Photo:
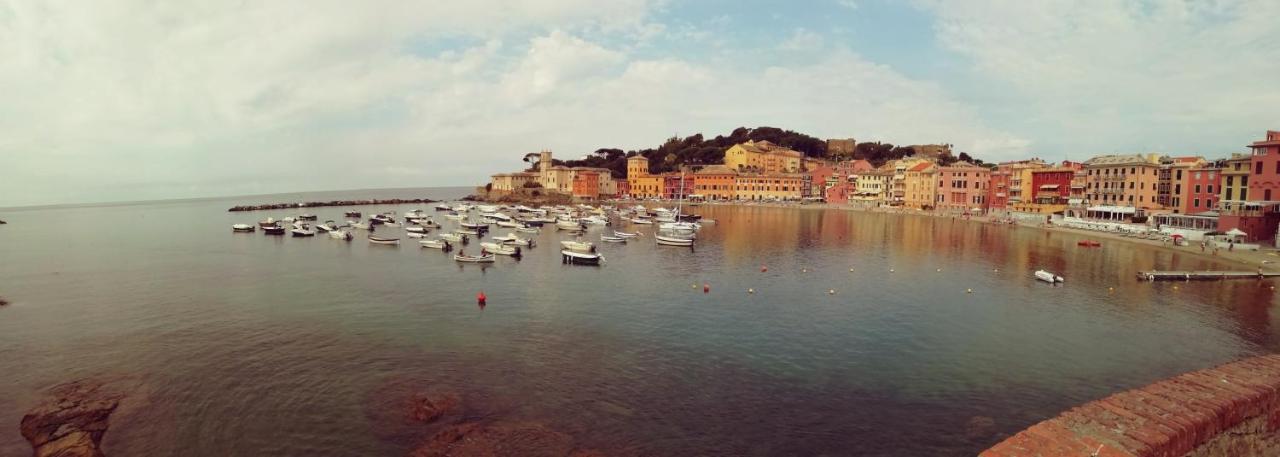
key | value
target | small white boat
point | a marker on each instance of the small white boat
(417, 229)
(437, 244)
(672, 240)
(242, 228)
(500, 249)
(455, 238)
(1048, 277)
(360, 225)
(392, 223)
(289, 219)
(303, 231)
(580, 258)
(455, 216)
(513, 240)
(528, 230)
(327, 226)
(467, 232)
(595, 220)
(474, 258)
(273, 230)
(442, 207)
(573, 226)
(463, 208)
(487, 208)
(612, 239)
(352, 213)
(642, 221)
(510, 224)
(415, 234)
(580, 246)
(307, 217)
(268, 222)
(625, 234)
(379, 240)
(341, 235)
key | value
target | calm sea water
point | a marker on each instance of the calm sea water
(256, 345)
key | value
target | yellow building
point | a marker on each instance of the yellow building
(778, 186)
(646, 186)
(921, 186)
(714, 182)
(1235, 182)
(872, 185)
(511, 181)
(762, 157)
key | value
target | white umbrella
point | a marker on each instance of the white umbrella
(1236, 232)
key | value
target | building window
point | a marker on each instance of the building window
(1197, 190)
(1197, 202)
(1257, 168)
(1266, 194)
(1210, 189)
(1229, 193)
(1229, 179)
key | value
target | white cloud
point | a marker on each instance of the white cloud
(802, 40)
(1112, 74)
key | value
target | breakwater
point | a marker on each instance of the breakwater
(273, 206)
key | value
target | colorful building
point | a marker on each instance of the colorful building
(1234, 177)
(511, 181)
(820, 178)
(757, 187)
(962, 187)
(586, 185)
(921, 186)
(676, 185)
(714, 182)
(872, 186)
(762, 157)
(1128, 181)
(1173, 173)
(1258, 215)
(1052, 185)
(1198, 192)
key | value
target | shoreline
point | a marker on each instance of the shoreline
(1250, 260)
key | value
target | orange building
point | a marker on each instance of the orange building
(714, 182)
(1130, 181)
(586, 185)
(962, 186)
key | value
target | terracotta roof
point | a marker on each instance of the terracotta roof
(716, 170)
(922, 166)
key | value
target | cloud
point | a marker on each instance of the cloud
(802, 40)
(1110, 74)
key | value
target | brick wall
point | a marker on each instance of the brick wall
(1229, 410)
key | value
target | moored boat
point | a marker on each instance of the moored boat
(671, 239)
(242, 228)
(580, 258)
(307, 217)
(268, 222)
(416, 229)
(460, 257)
(380, 240)
(500, 249)
(612, 239)
(437, 244)
(455, 237)
(528, 230)
(642, 221)
(580, 246)
(626, 234)
(1047, 277)
(351, 213)
(572, 226)
(341, 235)
(273, 230)
(327, 226)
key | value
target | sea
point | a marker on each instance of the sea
(783, 331)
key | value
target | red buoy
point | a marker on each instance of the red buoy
(763, 268)
(706, 288)
(480, 298)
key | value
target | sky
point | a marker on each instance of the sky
(121, 100)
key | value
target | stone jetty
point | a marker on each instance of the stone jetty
(273, 206)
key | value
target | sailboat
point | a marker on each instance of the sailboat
(677, 233)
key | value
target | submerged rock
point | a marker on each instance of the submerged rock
(980, 428)
(497, 439)
(3, 301)
(72, 420)
(426, 408)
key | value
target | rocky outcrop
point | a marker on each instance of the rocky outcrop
(427, 408)
(72, 420)
(3, 222)
(3, 301)
(274, 206)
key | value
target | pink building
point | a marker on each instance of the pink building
(1197, 192)
(1259, 216)
(962, 187)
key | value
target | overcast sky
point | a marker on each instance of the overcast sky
(124, 100)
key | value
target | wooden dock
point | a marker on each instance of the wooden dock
(1204, 275)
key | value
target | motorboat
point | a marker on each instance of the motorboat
(360, 225)
(467, 232)
(479, 228)
(341, 235)
(327, 226)
(307, 217)
(289, 219)
(510, 224)
(1048, 277)
(580, 246)
(380, 240)
(352, 213)
(273, 230)
(642, 221)
(427, 222)
(416, 229)
(625, 234)
(573, 226)
(443, 207)
(303, 230)
(463, 208)
(672, 239)
(487, 208)
(595, 220)
(500, 249)
(415, 234)
(488, 220)
(437, 244)
(580, 258)
(414, 214)
(528, 230)
(612, 239)
(455, 238)
(242, 228)
(268, 222)
(455, 216)
(489, 258)
(513, 240)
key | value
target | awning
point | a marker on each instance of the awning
(1236, 232)
(1048, 186)
(1113, 209)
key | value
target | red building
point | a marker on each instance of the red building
(586, 184)
(1198, 190)
(672, 183)
(850, 167)
(624, 187)
(840, 192)
(1052, 185)
(818, 181)
(963, 187)
(998, 191)
(1258, 216)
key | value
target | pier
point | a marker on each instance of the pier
(1203, 275)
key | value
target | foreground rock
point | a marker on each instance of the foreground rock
(3, 301)
(3, 222)
(72, 420)
(273, 206)
(500, 439)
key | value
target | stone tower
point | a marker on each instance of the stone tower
(637, 166)
(544, 162)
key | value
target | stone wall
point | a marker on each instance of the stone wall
(1229, 410)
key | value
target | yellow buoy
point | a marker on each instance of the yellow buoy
(751, 291)
(831, 292)
(968, 291)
